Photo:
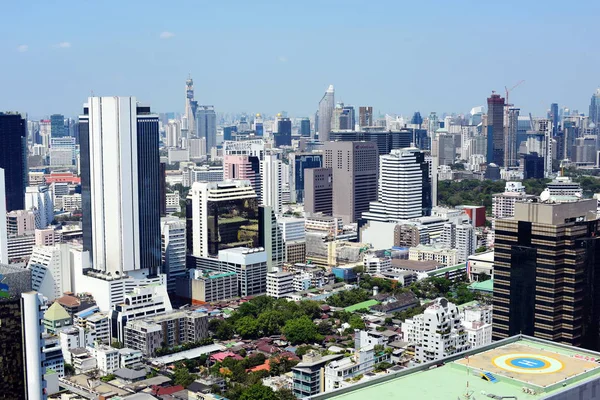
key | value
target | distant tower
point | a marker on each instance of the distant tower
(595, 108)
(206, 119)
(190, 107)
(554, 116)
(326, 106)
(365, 116)
(495, 129)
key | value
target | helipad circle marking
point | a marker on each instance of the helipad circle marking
(528, 363)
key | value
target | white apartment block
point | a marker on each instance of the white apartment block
(107, 358)
(172, 202)
(73, 338)
(437, 333)
(51, 270)
(478, 333)
(94, 321)
(280, 284)
(71, 202)
(39, 200)
(461, 237)
(292, 229)
(377, 265)
(338, 372)
(442, 255)
(140, 303)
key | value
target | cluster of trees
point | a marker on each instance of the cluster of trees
(265, 316)
(241, 382)
(348, 298)
(476, 192)
(456, 291)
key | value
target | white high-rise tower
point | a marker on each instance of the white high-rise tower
(271, 182)
(326, 106)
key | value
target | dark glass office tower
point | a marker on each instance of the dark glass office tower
(547, 273)
(495, 130)
(13, 158)
(283, 137)
(149, 182)
(57, 126)
(304, 127)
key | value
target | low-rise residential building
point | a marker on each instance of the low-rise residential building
(309, 375)
(478, 333)
(56, 318)
(437, 333)
(280, 284)
(207, 286)
(82, 360)
(339, 372)
(73, 338)
(107, 358)
(95, 321)
(130, 358)
(481, 263)
(172, 329)
(440, 254)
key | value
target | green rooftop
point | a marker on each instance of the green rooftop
(56, 313)
(450, 378)
(360, 306)
(485, 286)
(450, 268)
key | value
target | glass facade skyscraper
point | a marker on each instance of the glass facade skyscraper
(13, 158)
(206, 126)
(57, 126)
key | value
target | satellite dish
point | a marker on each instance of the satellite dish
(545, 195)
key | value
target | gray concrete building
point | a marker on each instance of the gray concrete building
(354, 168)
(318, 190)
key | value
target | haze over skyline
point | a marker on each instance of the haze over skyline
(263, 56)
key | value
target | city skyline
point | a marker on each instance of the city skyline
(439, 69)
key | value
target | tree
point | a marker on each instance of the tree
(182, 376)
(285, 394)
(108, 378)
(302, 350)
(270, 322)
(382, 366)
(69, 370)
(258, 392)
(324, 328)
(247, 327)
(301, 330)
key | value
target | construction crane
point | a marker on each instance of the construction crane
(507, 92)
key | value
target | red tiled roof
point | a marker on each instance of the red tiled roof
(159, 391)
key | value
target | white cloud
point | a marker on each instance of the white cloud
(22, 48)
(282, 59)
(63, 45)
(166, 35)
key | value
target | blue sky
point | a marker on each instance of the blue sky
(268, 56)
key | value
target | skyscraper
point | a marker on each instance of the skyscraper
(206, 126)
(511, 151)
(299, 163)
(190, 107)
(304, 127)
(270, 238)
(57, 126)
(554, 117)
(547, 271)
(3, 227)
(318, 194)
(495, 130)
(595, 108)
(173, 250)
(365, 116)
(271, 182)
(404, 188)
(243, 167)
(221, 215)
(13, 158)
(120, 181)
(354, 170)
(326, 106)
(283, 136)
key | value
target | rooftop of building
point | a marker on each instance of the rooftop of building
(56, 312)
(487, 256)
(501, 369)
(413, 265)
(485, 286)
(361, 305)
(188, 354)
